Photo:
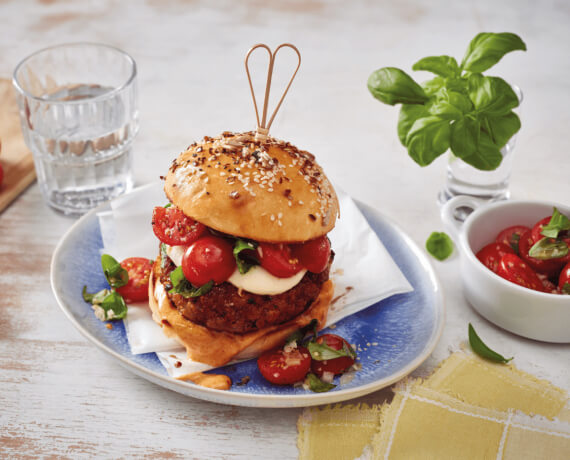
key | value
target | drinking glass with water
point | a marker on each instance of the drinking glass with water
(79, 114)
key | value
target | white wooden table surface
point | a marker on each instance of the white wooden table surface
(60, 396)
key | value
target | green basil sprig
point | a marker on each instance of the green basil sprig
(459, 109)
(317, 385)
(483, 350)
(180, 285)
(439, 245)
(244, 261)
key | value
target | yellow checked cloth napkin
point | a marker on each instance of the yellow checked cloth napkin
(468, 408)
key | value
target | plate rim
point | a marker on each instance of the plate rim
(260, 400)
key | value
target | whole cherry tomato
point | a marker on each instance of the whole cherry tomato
(564, 280)
(278, 259)
(491, 254)
(173, 227)
(336, 365)
(549, 267)
(136, 290)
(511, 236)
(210, 258)
(515, 270)
(314, 255)
(285, 367)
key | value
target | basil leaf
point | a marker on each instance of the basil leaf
(487, 157)
(245, 263)
(96, 298)
(317, 385)
(433, 86)
(322, 352)
(393, 86)
(116, 275)
(458, 100)
(483, 350)
(491, 95)
(566, 288)
(486, 49)
(464, 137)
(558, 222)
(167, 205)
(183, 287)
(445, 110)
(548, 248)
(446, 66)
(502, 128)
(163, 256)
(114, 306)
(300, 333)
(409, 113)
(427, 139)
(439, 245)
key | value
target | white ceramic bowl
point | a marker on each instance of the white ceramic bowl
(532, 314)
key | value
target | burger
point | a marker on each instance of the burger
(244, 255)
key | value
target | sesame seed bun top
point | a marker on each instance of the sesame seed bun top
(262, 190)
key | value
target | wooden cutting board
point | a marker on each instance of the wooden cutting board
(15, 157)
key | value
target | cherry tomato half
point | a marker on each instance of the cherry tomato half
(535, 232)
(515, 270)
(314, 255)
(285, 367)
(278, 259)
(173, 227)
(210, 258)
(549, 267)
(136, 290)
(511, 236)
(490, 255)
(336, 365)
(564, 277)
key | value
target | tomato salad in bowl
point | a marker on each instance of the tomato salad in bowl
(514, 264)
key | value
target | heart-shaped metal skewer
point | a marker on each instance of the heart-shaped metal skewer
(263, 127)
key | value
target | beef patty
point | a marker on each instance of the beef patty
(225, 308)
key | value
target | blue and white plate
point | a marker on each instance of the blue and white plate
(394, 336)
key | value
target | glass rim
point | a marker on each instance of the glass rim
(106, 95)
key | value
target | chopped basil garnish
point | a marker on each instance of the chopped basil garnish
(566, 288)
(322, 352)
(548, 248)
(317, 385)
(439, 245)
(167, 205)
(96, 298)
(108, 305)
(299, 334)
(163, 256)
(183, 287)
(483, 350)
(558, 222)
(515, 243)
(116, 275)
(245, 261)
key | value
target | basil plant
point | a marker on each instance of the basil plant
(460, 108)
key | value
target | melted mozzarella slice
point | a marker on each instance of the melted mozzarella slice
(257, 280)
(175, 253)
